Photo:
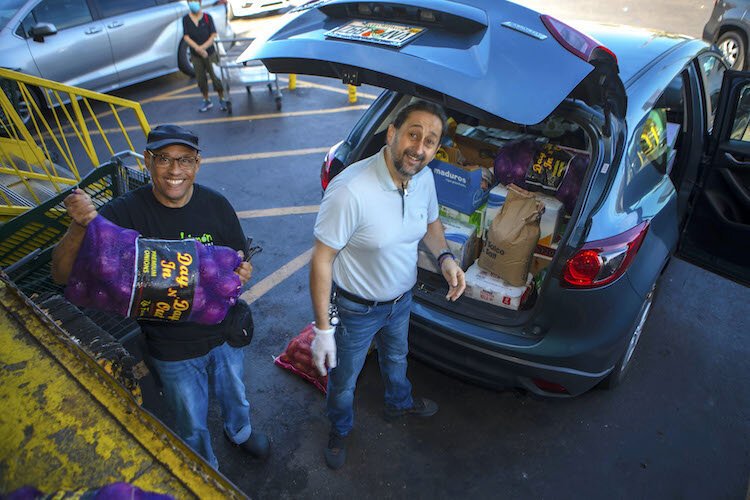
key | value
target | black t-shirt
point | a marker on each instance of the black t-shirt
(199, 34)
(207, 217)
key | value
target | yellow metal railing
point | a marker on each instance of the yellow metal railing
(52, 134)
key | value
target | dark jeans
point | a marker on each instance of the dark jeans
(203, 66)
(186, 388)
(360, 324)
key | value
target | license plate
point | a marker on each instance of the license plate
(393, 35)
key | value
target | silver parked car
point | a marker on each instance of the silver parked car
(99, 45)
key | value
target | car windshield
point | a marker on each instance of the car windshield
(7, 9)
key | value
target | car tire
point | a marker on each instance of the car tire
(23, 108)
(732, 44)
(617, 375)
(183, 60)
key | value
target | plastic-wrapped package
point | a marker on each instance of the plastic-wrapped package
(143, 278)
(297, 358)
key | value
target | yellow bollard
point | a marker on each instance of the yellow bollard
(352, 94)
(292, 81)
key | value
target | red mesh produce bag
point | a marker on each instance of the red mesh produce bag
(164, 280)
(297, 358)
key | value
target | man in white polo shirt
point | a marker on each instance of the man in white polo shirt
(371, 220)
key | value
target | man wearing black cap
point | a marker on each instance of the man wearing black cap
(187, 357)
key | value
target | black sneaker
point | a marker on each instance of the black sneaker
(422, 407)
(207, 104)
(222, 104)
(257, 445)
(335, 452)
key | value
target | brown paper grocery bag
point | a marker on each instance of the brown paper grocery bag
(512, 237)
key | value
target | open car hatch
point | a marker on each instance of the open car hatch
(488, 57)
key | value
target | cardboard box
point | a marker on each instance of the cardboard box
(476, 152)
(550, 222)
(450, 154)
(475, 219)
(462, 241)
(546, 250)
(539, 262)
(484, 286)
(459, 188)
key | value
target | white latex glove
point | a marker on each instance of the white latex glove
(324, 349)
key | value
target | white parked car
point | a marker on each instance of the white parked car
(241, 8)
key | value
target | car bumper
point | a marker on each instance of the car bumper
(483, 365)
(571, 354)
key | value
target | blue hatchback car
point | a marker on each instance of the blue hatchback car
(657, 126)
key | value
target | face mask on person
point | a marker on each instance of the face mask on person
(194, 7)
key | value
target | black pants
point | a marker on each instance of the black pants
(202, 66)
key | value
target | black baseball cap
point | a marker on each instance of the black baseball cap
(164, 135)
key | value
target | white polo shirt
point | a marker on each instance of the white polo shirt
(362, 217)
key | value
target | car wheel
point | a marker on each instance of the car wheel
(183, 60)
(617, 375)
(19, 102)
(732, 45)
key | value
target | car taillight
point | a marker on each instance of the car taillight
(601, 262)
(574, 41)
(331, 166)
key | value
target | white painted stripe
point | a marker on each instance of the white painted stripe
(344, 90)
(273, 212)
(270, 281)
(243, 118)
(263, 155)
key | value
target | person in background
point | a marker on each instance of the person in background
(190, 359)
(370, 222)
(199, 33)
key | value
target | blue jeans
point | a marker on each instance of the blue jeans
(186, 388)
(360, 324)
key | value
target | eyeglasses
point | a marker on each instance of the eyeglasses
(184, 162)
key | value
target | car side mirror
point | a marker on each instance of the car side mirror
(41, 30)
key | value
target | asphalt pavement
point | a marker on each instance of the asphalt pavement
(679, 426)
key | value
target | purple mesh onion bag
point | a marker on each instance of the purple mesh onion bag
(513, 160)
(153, 279)
(102, 274)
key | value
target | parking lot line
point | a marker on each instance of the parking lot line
(169, 95)
(270, 281)
(301, 83)
(176, 94)
(264, 116)
(267, 116)
(273, 212)
(264, 154)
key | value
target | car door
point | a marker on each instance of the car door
(716, 234)
(143, 34)
(79, 53)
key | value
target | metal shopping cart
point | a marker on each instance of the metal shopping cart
(246, 73)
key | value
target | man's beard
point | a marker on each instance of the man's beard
(398, 163)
